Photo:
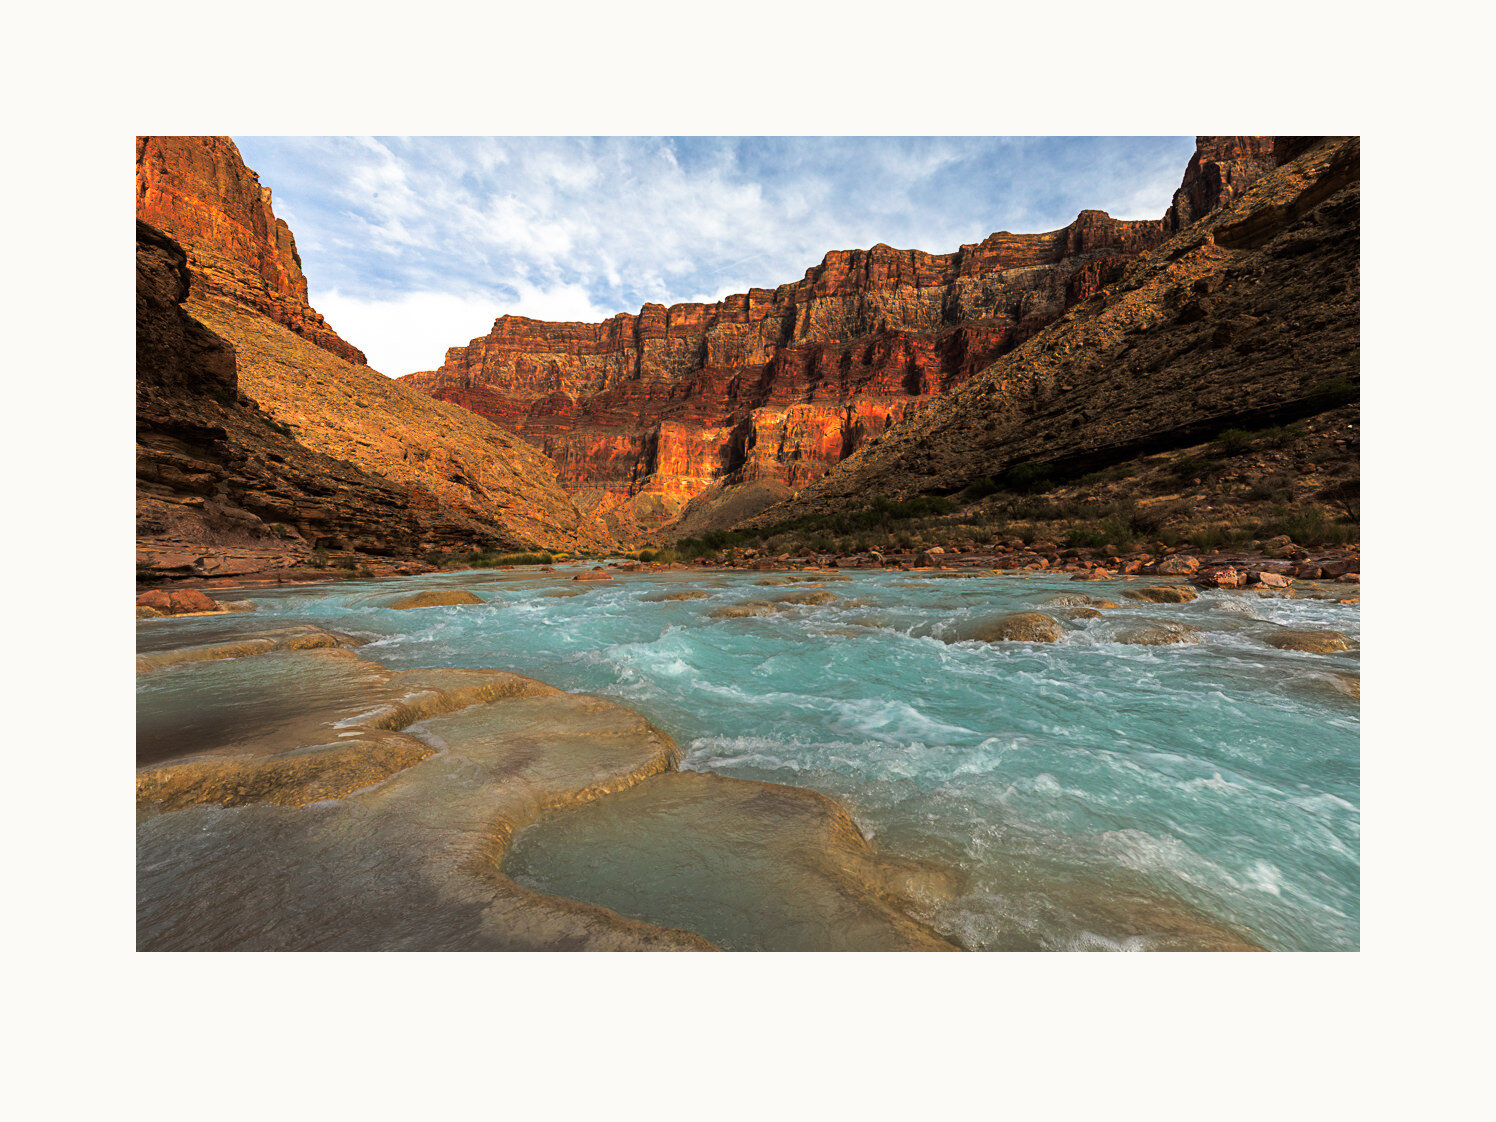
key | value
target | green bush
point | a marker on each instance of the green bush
(1233, 441)
(483, 559)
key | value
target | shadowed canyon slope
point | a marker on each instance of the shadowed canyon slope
(317, 451)
(1248, 317)
(737, 404)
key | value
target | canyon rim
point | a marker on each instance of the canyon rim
(992, 596)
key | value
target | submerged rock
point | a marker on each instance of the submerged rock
(1015, 627)
(665, 597)
(301, 638)
(746, 610)
(752, 866)
(1077, 600)
(808, 598)
(1158, 635)
(1313, 642)
(1082, 613)
(433, 599)
(388, 829)
(1175, 594)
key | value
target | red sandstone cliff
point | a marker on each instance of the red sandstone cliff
(257, 422)
(197, 189)
(771, 388)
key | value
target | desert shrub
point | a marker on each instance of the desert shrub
(1233, 441)
(1308, 526)
(1334, 390)
(483, 559)
(1026, 478)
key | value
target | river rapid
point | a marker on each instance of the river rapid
(1066, 783)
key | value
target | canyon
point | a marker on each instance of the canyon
(700, 415)
(1249, 317)
(265, 442)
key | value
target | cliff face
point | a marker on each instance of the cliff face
(1248, 317)
(369, 465)
(763, 392)
(197, 189)
(221, 487)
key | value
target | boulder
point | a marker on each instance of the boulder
(594, 574)
(1094, 574)
(1176, 565)
(1312, 642)
(1158, 635)
(178, 602)
(1218, 576)
(433, 599)
(1015, 627)
(1175, 594)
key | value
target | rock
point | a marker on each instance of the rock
(1312, 642)
(1158, 635)
(1082, 613)
(746, 610)
(687, 594)
(144, 611)
(1017, 627)
(197, 189)
(1218, 576)
(929, 559)
(1286, 252)
(257, 424)
(1271, 580)
(1176, 594)
(1171, 566)
(805, 598)
(594, 574)
(177, 602)
(1094, 574)
(433, 599)
(797, 376)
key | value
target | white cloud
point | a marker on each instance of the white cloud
(412, 331)
(416, 244)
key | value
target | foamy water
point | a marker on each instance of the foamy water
(1065, 781)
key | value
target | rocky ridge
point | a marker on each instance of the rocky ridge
(197, 189)
(221, 486)
(737, 404)
(1248, 317)
(263, 439)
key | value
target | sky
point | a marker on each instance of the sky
(411, 245)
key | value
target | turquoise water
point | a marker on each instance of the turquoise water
(1059, 778)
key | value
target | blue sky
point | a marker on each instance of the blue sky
(415, 244)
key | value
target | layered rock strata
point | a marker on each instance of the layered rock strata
(1248, 317)
(746, 400)
(197, 189)
(220, 484)
(259, 442)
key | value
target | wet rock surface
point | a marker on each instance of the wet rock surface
(433, 599)
(375, 812)
(1013, 627)
(1312, 642)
